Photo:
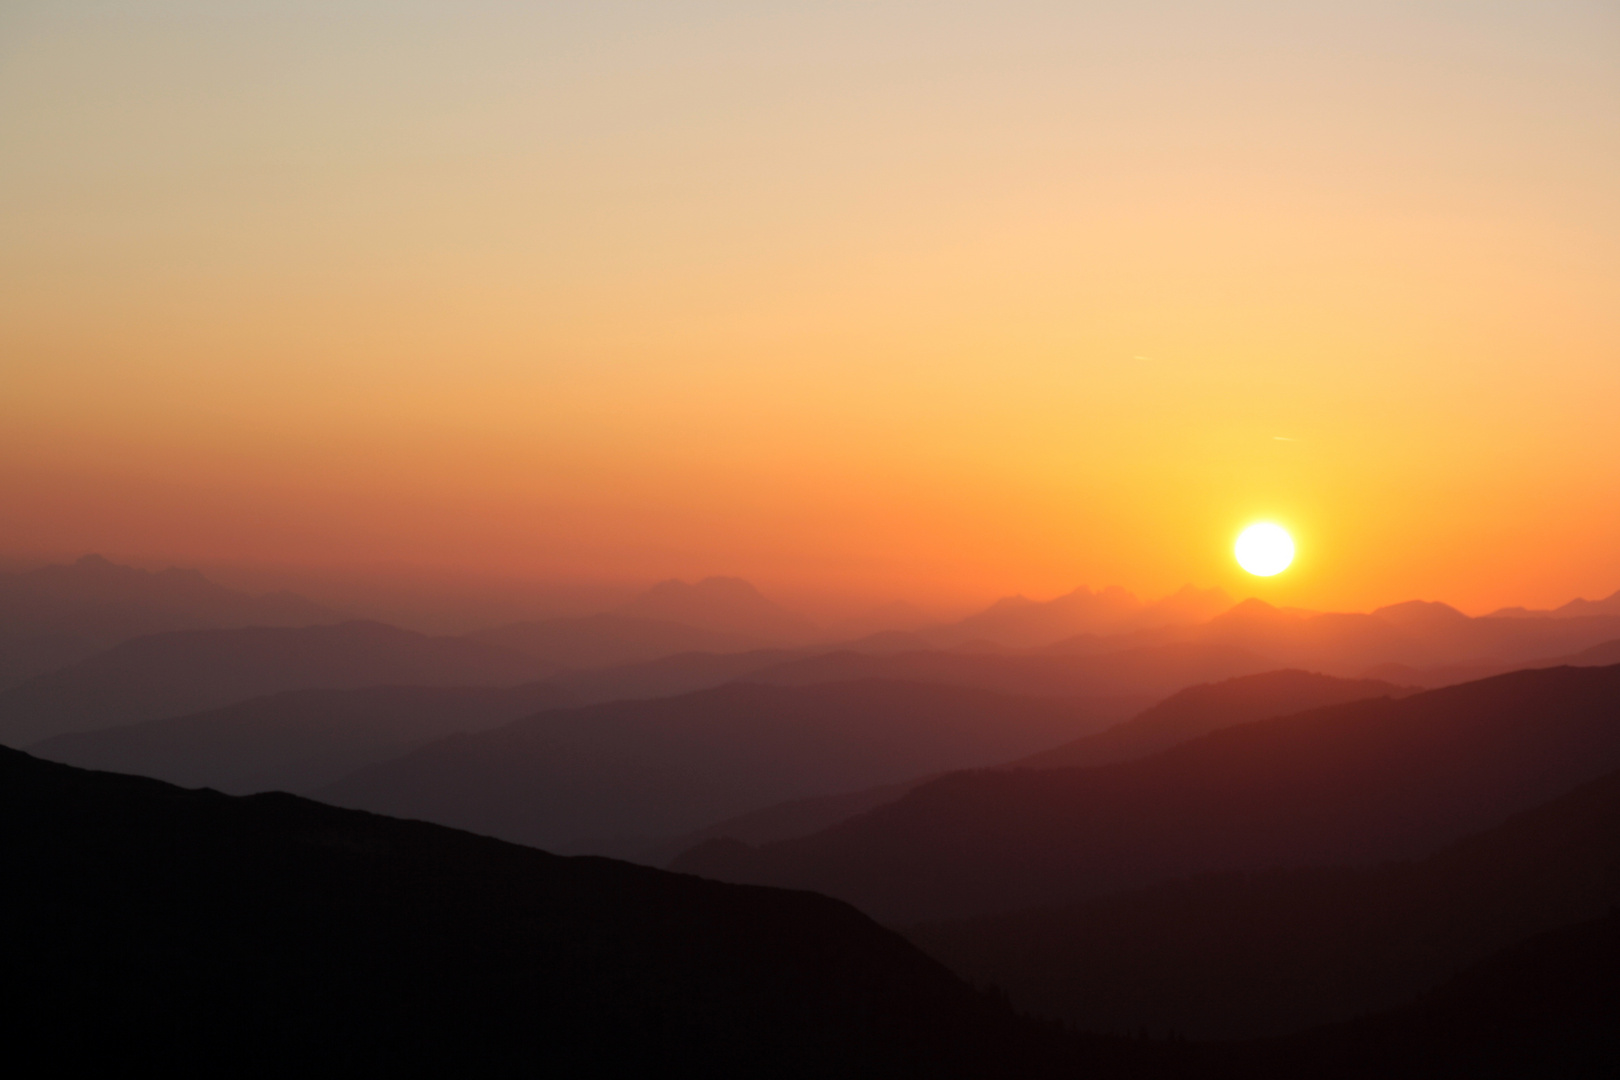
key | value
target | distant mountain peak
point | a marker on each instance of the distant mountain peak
(1018, 622)
(1420, 612)
(1610, 605)
(1577, 608)
(728, 604)
(1015, 602)
(1518, 612)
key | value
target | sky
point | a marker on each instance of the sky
(938, 301)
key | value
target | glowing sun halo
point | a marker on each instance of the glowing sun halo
(1264, 550)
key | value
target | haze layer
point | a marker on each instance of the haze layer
(945, 302)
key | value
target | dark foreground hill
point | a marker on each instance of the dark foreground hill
(191, 932)
(605, 778)
(175, 674)
(1546, 1007)
(300, 739)
(1247, 954)
(1350, 784)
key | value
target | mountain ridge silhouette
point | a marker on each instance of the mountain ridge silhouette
(1354, 783)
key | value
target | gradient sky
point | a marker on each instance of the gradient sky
(940, 300)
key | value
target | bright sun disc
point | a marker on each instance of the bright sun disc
(1264, 550)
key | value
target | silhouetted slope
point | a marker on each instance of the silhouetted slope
(600, 641)
(1249, 954)
(723, 605)
(1354, 784)
(1208, 707)
(296, 740)
(57, 615)
(785, 820)
(1141, 673)
(651, 769)
(191, 932)
(1597, 656)
(175, 674)
(1185, 715)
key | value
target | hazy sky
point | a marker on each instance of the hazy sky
(937, 300)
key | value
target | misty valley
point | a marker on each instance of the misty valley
(700, 833)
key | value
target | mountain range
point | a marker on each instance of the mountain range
(724, 605)
(184, 672)
(191, 932)
(1351, 784)
(297, 740)
(194, 932)
(1018, 622)
(56, 615)
(1266, 952)
(1186, 714)
(1575, 609)
(1416, 634)
(611, 777)
(1206, 707)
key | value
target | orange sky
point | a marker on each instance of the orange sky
(885, 299)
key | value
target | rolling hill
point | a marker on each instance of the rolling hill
(1246, 954)
(1601, 655)
(1351, 784)
(191, 932)
(299, 739)
(1208, 707)
(1185, 715)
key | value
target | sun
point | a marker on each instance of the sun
(1265, 549)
